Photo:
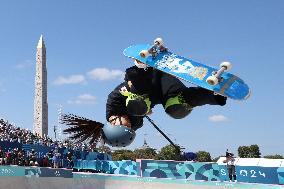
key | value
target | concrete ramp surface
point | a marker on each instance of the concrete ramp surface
(104, 181)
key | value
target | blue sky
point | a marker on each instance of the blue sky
(85, 40)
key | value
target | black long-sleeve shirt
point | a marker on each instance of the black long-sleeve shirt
(159, 86)
(142, 83)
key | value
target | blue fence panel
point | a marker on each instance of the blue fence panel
(257, 174)
(12, 171)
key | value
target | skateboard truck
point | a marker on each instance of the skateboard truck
(158, 45)
(215, 78)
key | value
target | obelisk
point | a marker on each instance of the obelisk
(40, 99)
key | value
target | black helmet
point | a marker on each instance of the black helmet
(118, 135)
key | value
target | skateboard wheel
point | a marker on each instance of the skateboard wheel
(212, 80)
(159, 41)
(227, 65)
(144, 53)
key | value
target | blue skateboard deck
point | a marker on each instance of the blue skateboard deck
(191, 71)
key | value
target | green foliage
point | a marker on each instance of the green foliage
(168, 152)
(119, 155)
(243, 151)
(276, 156)
(255, 151)
(251, 151)
(203, 156)
(147, 153)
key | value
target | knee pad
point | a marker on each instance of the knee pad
(178, 111)
(177, 108)
(138, 105)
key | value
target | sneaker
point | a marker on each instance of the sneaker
(221, 100)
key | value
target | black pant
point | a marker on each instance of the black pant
(161, 86)
(232, 172)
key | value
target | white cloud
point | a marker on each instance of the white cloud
(73, 79)
(105, 74)
(218, 118)
(84, 99)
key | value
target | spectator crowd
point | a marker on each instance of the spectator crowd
(17, 156)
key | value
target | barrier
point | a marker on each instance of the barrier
(125, 167)
(152, 168)
(180, 170)
(255, 170)
(260, 171)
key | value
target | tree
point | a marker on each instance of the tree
(147, 153)
(203, 156)
(119, 155)
(251, 151)
(243, 151)
(255, 153)
(276, 156)
(169, 152)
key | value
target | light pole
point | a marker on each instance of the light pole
(54, 130)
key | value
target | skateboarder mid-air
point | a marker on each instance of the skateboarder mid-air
(142, 89)
(153, 80)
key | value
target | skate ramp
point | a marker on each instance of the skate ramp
(104, 181)
(127, 174)
(248, 170)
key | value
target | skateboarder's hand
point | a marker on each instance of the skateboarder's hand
(120, 120)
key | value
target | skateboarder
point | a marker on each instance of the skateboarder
(130, 101)
(145, 87)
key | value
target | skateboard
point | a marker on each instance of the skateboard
(217, 80)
